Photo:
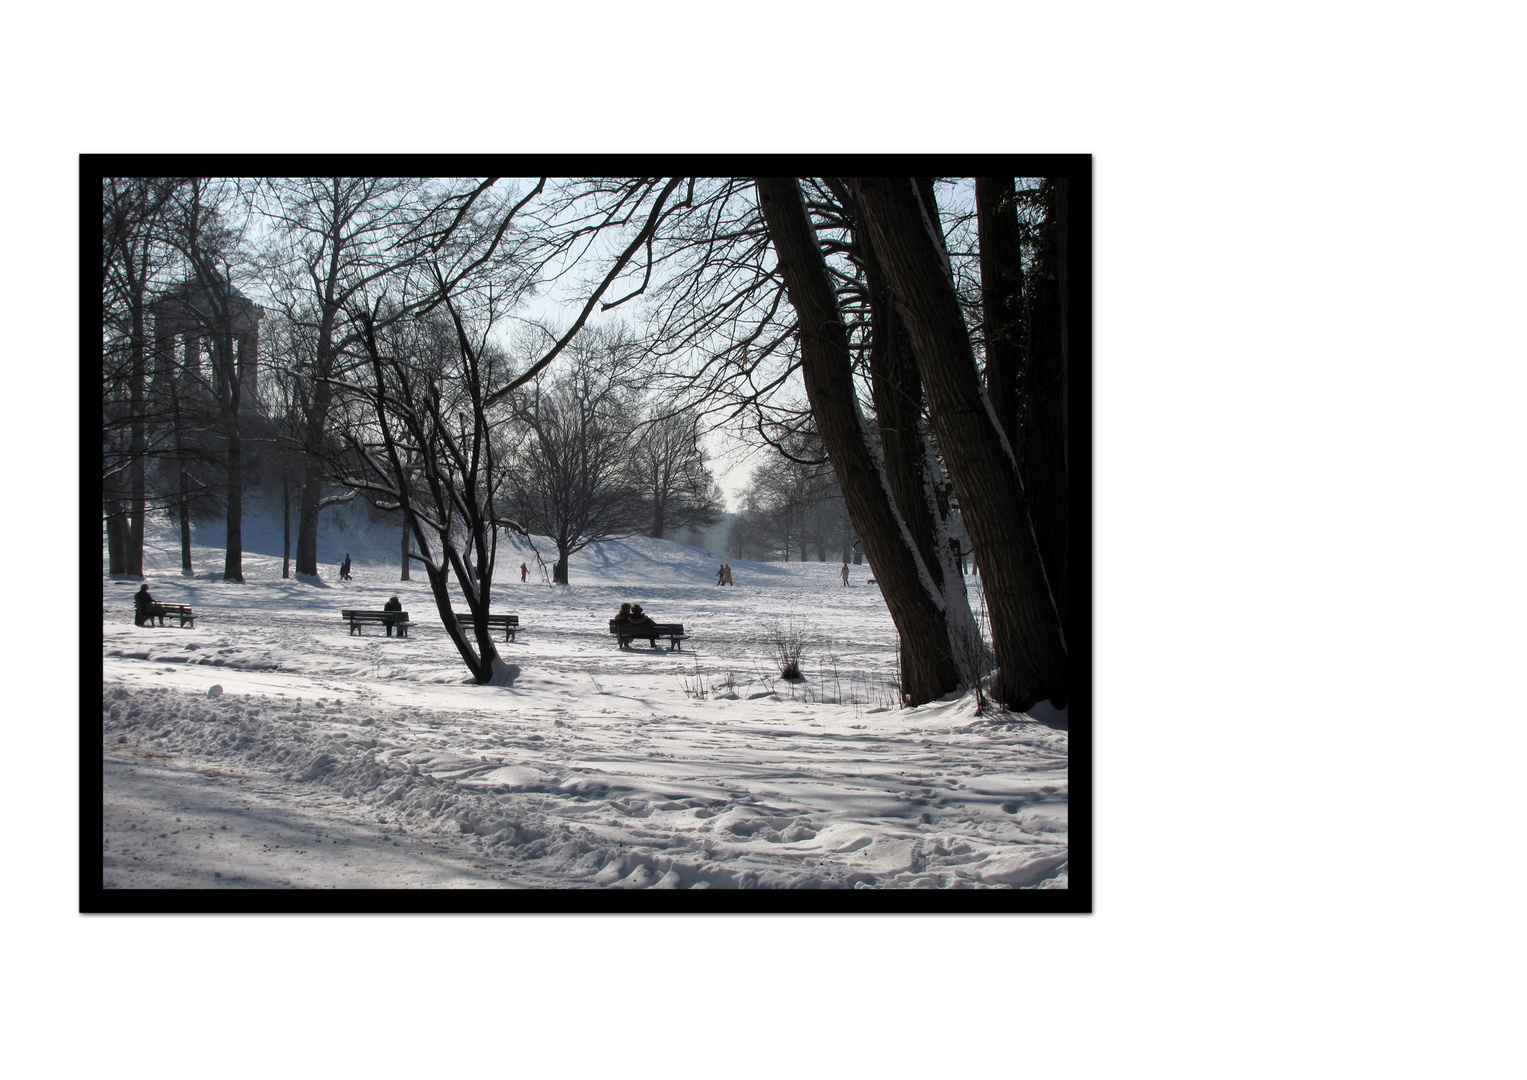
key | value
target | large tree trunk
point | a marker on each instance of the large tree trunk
(233, 564)
(132, 561)
(231, 396)
(1026, 631)
(313, 468)
(659, 515)
(911, 469)
(1041, 448)
(116, 531)
(928, 668)
(186, 569)
(897, 393)
(1001, 296)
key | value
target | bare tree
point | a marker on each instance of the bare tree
(428, 447)
(211, 313)
(1026, 631)
(929, 665)
(333, 238)
(134, 255)
(668, 466)
(569, 467)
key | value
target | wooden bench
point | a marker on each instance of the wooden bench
(158, 611)
(510, 624)
(358, 619)
(624, 632)
(182, 612)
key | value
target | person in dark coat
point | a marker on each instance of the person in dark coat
(721, 574)
(640, 619)
(344, 569)
(393, 605)
(622, 616)
(144, 608)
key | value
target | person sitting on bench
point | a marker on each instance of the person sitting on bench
(638, 620)
(144, 608)
(393, 605)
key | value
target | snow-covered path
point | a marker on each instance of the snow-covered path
(356, 761)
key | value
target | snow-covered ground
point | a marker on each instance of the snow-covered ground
(268, 748)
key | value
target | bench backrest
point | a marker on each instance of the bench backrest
(501, 620)
(634, 630)
(348, 614)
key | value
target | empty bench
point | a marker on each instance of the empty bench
(624, 632)
(509, 624)
(358, 619)
(182, 612)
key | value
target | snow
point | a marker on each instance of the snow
(268, 748)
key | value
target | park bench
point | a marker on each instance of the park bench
(510, 624)
(625, 632)
(358, 619)
(182, 612)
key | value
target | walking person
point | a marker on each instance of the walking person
(524, 572)
(845, 575)
(721, 574)
(344, 569)
(726, 575)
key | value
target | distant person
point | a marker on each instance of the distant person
(393, 604)
(524, 572)
(726, 574)
(845, 575)
(344, 569)
(721, 574)
(640, 619)
(144, 608)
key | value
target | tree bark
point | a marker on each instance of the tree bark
(132, 561)
(316, 420)
(1026, 631)
(116, 530)
(1001, 296)
(231, 396)
(928, 668)
(233, 563)
(1042, 442)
